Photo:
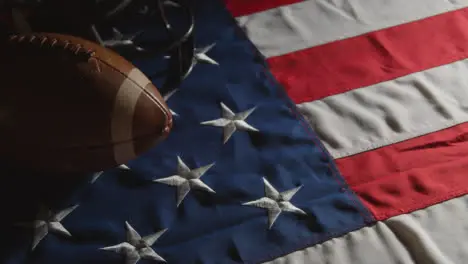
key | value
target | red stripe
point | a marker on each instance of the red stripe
(379, 56)
(247, 7)
(411, 175)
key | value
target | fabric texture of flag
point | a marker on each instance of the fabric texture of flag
(307, 132)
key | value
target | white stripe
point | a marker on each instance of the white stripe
(390, 112)
(310, 23)
(436, 234)
(122, 117)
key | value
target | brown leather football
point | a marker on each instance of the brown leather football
(71, 105)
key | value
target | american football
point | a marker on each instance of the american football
(70, 105)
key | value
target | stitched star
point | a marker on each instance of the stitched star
(187, 179)
(200, 55)
(168, 96)
(118, 39)
(137, 247)
(96, 176)
(276, 202)
(99, 174)
(47, 221)
(231, 122)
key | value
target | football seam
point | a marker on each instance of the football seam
(39, 41)
(78, 50)
(148, 94)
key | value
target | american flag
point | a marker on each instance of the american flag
(321, 131)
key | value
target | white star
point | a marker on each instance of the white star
(276, 202)
(96, 176)
(200, 55)
(168, 96)
(137, 247)
(232, 122)
(99, 174)
(47, 221)
(123, 167)
(119, 39)
(186, 179)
